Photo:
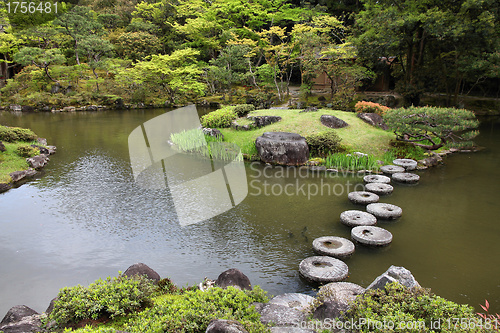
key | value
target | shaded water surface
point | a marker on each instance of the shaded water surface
(87, 219)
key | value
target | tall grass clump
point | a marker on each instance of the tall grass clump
(351, 162)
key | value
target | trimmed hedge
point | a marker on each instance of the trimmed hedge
(13, 134)
(324, 143)
(219, 118)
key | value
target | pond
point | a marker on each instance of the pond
(87, 219)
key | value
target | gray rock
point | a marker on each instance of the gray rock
(69, 109)
(280, 315)
(119, 103)
(37, 162)
(233, 277)
(92, 108)
(21, 319)
(330, 309)
(2, 146)
(5, 187)
(282, 148)
(373, 119)
(295, 301)
(55, 88)
(225, 326)
(344, 292)
(42, 150)
(27, 108)
(395, 274)
(261, 121)
(309, 109)
(19, 175)
(15, 107)
(52, 149)
(144, 270)
(332, 121)
(42, 141)
(214, 132)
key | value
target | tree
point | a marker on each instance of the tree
(43, 59)
(432, 127)
(96, 49)
(137, 45)
(430, 38)
(177, 74)
(79, 23)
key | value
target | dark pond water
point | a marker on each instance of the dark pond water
(86, 219)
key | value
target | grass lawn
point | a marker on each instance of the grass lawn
(358, 136)
(10, 161)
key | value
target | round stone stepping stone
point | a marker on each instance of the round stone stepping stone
(377, 179)
(293, 300)
(379, 188)
(384, 211)
(406, 177)
(390, 169)
(406, 163)
(363, 197)
(354, 218)
(333, 246)
(323, 269)
(344, 292)
(370, 235)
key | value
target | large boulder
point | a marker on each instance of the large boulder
(332, 121)
(261, 121)
(233, 277)
(294, 301)
(282, 148)
(395, 274)
(373, 119)
(336, 298)
(38, 162)
(142, 270)
(225, 326)
(5, 187)
(15, 107)
(280, 315)
(21, 319)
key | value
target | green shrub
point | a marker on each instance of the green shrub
(27, 151)
(324, 143)
(243, 109)
(402, 306)
(193, 310)
(401, 149)
(111, 297)
(219, 118)
(13, 134)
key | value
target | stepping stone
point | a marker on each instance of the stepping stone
(384, 211)
(354, 218)
(406, 177)
(370, 235)
(377, 179)
(379, 188)
(323, 269)
(406, 163)
(332, 246)
(363, 197)
(390, 169)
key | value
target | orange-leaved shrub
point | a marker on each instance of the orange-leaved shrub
(370, 107)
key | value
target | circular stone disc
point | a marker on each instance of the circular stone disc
(384, 210)
(370, 235)
(379, 188)
(354, 218)
(390, 169)
(323, 269)
(363, 197)
(408, 178)
(406, 163)
(332, 246)
(377, 179)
